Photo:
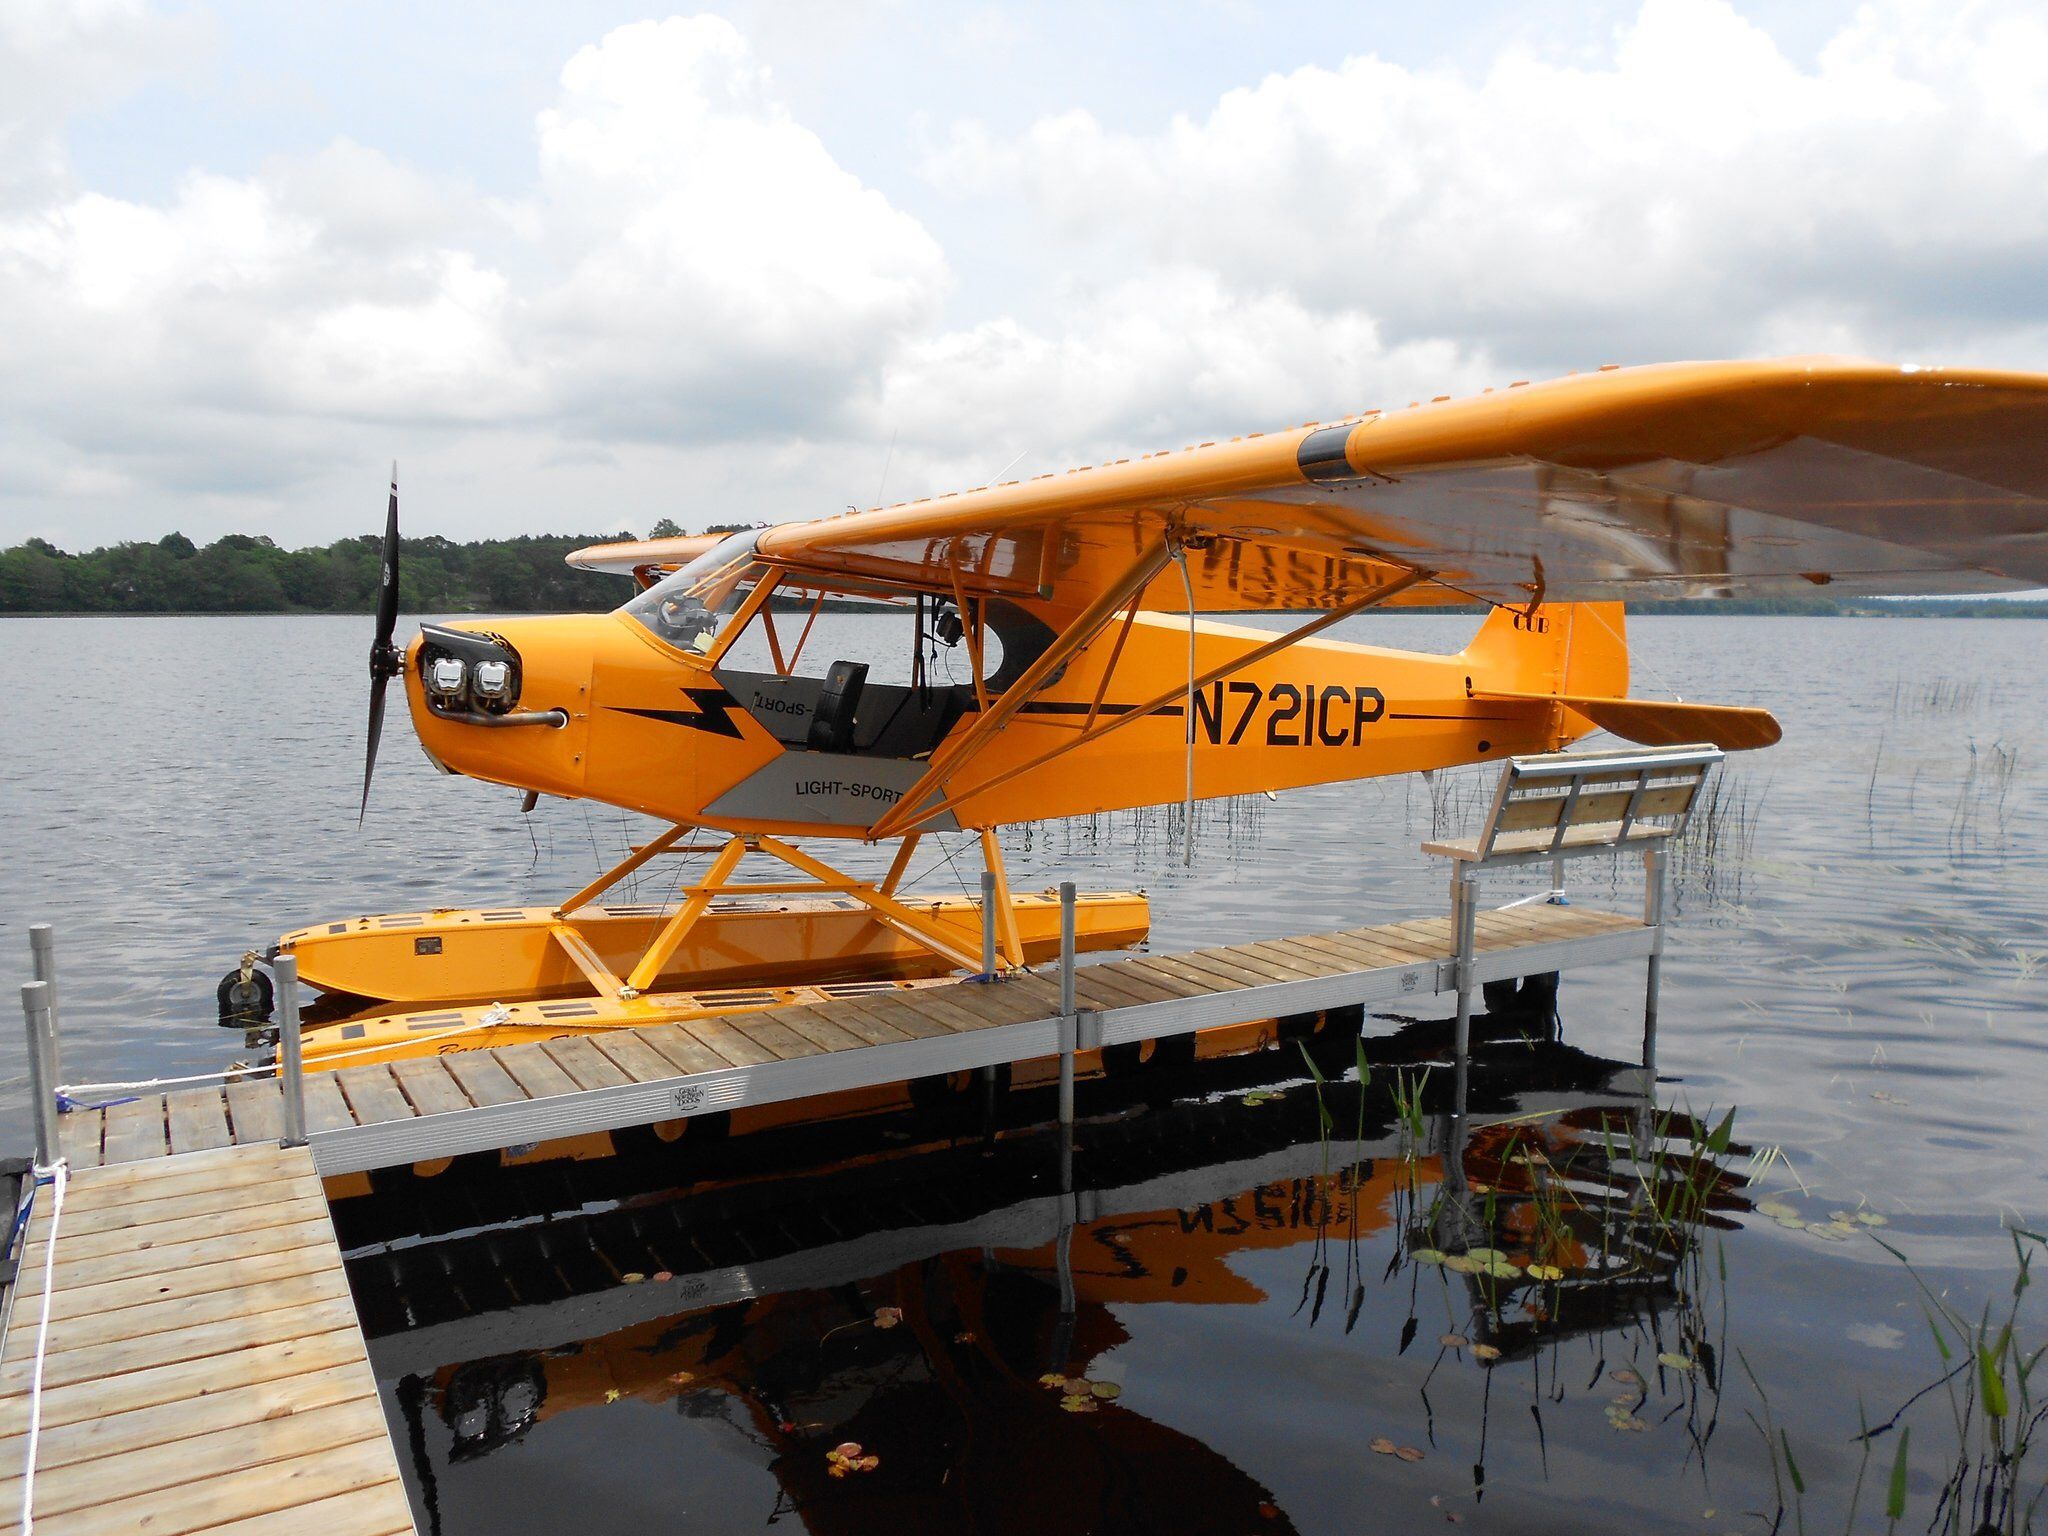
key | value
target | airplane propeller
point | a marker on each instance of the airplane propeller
(386, 659)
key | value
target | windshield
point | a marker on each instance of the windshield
(684, 609)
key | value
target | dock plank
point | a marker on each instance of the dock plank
(886, 1018)
(372, 1094)
(129, 1234)
(586, 1065)
(112, 1434)
(427, 1082)
(819, 1030)
(326, 1108)
(198, 1458)
(204, 1364)
(256, 1110)
(534, 1071)
(483, 1077)
(631, 1053)
(80, 1133)
(681, 1050)
(191, 1311)
(766, 1031)
(199, 1120)
(721, 1037)
(135, 1129)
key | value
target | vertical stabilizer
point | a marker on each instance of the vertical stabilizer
(1562, 648)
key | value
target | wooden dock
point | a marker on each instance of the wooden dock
(205, 1370)
(481, 1100)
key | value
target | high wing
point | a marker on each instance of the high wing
(1679, 480)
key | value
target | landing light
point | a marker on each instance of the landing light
(446, 675)
(493, 679)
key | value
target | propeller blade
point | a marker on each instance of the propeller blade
(385, 658)
(387, 583)
(376, 733)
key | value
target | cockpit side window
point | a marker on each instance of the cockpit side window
(685, 609)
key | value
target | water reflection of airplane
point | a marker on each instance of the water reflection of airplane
(761, 1299)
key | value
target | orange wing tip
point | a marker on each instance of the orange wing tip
(1662, 723)
(629, 558)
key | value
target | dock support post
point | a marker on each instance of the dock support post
(35, 1008)
(988, 925)
(290, 1069)
(1654, 860)
(42, 950)
(1464, 930)
(1070, 1035)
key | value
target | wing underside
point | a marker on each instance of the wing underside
(1683, 480)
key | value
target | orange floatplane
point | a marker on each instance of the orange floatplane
(1082, 680)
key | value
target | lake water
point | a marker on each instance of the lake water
(1858, 966)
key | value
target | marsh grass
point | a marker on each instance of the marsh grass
(1992, 1480)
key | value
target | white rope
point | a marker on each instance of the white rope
(58, 1176)
(1180, 558)
(1555, 893)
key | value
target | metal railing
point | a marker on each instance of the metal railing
(45, 1056)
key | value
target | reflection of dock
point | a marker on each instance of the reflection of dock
(414, 1110)
(203, 1365)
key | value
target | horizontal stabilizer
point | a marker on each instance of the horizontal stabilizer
(1661, 723)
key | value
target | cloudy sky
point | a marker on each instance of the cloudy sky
(579, 266)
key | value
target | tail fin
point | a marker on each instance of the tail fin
(1562, 648)
(1576, 655)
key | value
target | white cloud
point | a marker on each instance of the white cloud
(696, 307)
(1682, 196)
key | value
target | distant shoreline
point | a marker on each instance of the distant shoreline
(1684, 608)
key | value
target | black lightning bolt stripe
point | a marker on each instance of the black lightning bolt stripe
(714, 713)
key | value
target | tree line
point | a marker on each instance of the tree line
(248, 573)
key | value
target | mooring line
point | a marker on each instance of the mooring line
(57, 1175)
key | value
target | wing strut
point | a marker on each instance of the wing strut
(1376, 596)
(949, 759)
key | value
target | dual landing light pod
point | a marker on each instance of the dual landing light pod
(466, 676)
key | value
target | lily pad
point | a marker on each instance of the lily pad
(1382, 1445)
(1485, 1352)
(1777, 1210)
(1545, 1272)
(1408, 1453)
(1105, 1391)
(1871, 1219)
(1828, 1230)
(1676, 1362)
(1464, 1264)
(1427, 1256)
